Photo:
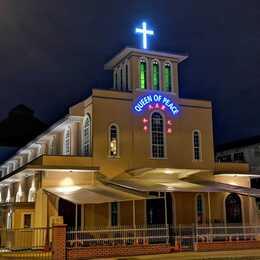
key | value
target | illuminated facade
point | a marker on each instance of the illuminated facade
(135, 154)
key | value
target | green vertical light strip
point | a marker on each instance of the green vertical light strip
(143, 75)
(156, 79)
(167, 78)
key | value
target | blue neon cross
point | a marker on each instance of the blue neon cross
(145, 32)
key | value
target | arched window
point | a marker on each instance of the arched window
(115, 79)
(4, 170)
(143, 74)
(52, 146)
(29, 156)
(11, 166)
(21, 161)
(127, 83)
(121, 78)
(200, 209)
(167, 77)
(114, 214)
(233, 209)
(16, 164)
(118, 78)
(39, 151)
(157, 135)
(155, 75)
(67, 141)
(196, 139)
(86, 136)
(113, 140)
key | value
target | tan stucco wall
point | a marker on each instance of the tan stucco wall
(135, 143)
(18, 217)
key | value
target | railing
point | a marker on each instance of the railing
(123, 235)
(226, 233)
(183, 236)
(25, 239)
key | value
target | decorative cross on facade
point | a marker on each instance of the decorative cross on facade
(145, 32)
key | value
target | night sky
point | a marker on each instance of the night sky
(53, 52)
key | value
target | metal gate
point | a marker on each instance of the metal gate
(185, 237)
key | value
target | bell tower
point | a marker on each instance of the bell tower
(142, 70)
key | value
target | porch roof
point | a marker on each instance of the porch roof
(50, 162)
(184, 180)
(94, 194)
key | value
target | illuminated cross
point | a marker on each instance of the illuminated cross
(145, 32)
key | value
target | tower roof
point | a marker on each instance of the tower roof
(126, 52)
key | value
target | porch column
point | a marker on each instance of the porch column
(165, 209)
(251, 210)
(76, 217)
(134, 213)
(82, 213)
(209, 206)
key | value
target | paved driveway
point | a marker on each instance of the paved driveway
(241, 255)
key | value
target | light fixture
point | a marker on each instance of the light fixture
(168, 171)
(68, 189)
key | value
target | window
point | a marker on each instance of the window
(113, 140)
(121, 78)
(167, 77)
(225, 158)
(114, 213)
(11, 167)
(257, 151)
(118, 78)
(27, 220)
(4, 171)
(200, 209)
(39, 150)
(155, 75)
(86, 136)
(16, 163)
(67, 142)
(29, 156)
(157, 135)
(233, 209)
(143, 74)
(239, 157)
(115, 79)
(127, 87)
(52, 146)
(196, 145)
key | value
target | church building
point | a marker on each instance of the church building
(136, 154)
